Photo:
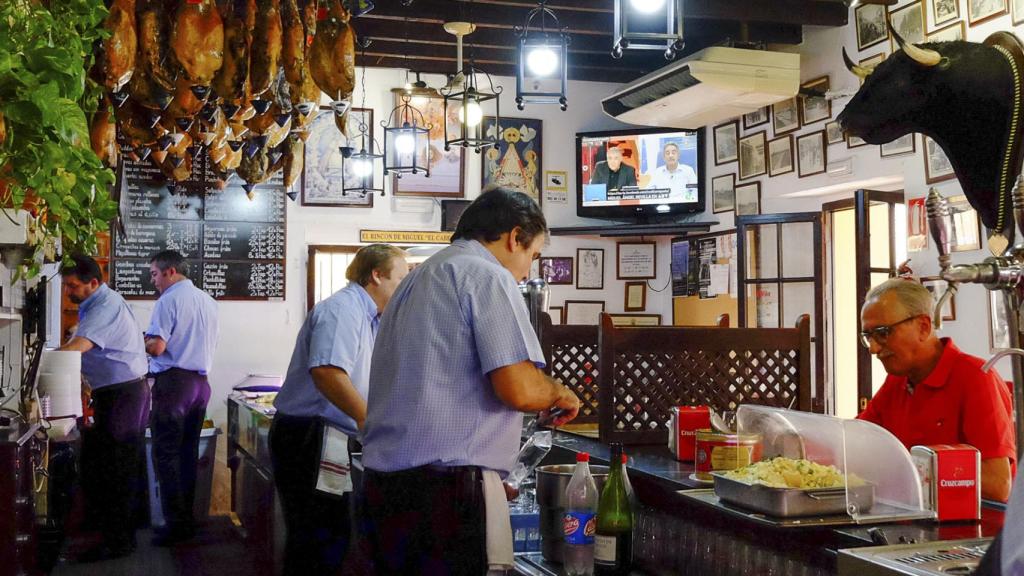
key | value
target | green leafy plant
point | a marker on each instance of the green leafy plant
(46, 97)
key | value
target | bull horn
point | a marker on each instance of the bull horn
(922, 56)
(858, 71)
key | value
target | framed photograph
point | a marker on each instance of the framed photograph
(815, 108)
(636, 297)
(723, 193)
(748, 199)
(979, 11)
(811, 153)
(854, 141)
(871, 62)
(966, 225)
(999, 326)
(725, 142)
(586, 312)
(635, 260)
(833, 133)
(590, 268)
(1017, 11)
(516, 162)
(635, 320)
(902, 145)
(917, 225)
(785, 116)
(756, 118)
(871, 28)
(955, 31)
(556, 180)
(556, 270)
(446, 168)
(908, 20)
(937, 286)
(324, 176)
(556, 314)
(937, 166)
(780, 155)
(944, 11)
(752, 152)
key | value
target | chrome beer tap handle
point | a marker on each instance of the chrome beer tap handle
(939, 216)
(1018, 214)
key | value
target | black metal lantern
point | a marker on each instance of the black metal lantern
(406, 140)
(468, 99)
(360, 161)
(542, 75)
(648, 25)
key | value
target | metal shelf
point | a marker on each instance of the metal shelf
(613, 230)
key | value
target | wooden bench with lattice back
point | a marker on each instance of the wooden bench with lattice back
(643, 372)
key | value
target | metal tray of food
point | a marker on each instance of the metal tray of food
(792, 502)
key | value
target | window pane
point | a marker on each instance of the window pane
(762, 251)
(763, 305)
(798, 250)
(880, 235)
(797, 298)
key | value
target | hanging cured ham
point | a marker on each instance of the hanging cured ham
(154, 60)
(229, 82)
(197, 39)
(266, 46)
(117, 58)
(332, 57)
(103, 136)
(294, 158)
(293, 49)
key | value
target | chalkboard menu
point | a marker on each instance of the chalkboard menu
(235, 247)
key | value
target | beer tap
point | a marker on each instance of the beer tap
(939, 224)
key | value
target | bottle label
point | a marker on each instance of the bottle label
(604, 550)
(579, 527)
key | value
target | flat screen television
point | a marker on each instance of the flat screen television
(639, 174)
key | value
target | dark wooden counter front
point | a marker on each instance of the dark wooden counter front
(676, 535)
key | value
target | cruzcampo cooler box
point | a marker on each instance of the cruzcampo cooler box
(950, 480)
(684, 421)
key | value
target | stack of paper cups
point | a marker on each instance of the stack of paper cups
(60, 378)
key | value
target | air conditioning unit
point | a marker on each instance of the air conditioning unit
(714, 84)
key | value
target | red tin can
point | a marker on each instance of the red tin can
(683, 425)
(950, 480)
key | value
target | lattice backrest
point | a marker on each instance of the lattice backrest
(644, 372)
(571, 353)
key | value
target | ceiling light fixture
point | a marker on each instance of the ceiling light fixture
(362, 162)
(543, 57)
(467, 93)
(406, 132)
(648, 25)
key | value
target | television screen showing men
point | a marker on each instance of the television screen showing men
(640, 169)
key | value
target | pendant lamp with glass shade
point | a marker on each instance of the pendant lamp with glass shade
(542, 72)
(406, 132)
(359, 157)
(648, 25)
(467, 93)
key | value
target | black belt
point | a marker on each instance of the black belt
(471, 473)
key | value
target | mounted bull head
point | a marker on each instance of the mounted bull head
(961, 94)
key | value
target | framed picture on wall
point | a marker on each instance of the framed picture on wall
(917, 225)
(854, 141)
(937, 166)
(871, 62)
(871, 27)
(556, 270)
(908, 20)
(937, 286)
(785, 116)
(556, 314)
(590, 268)
(325, 175)
(1017, 11)
(979, 11)
(446, 168)
(944, 11)
(780, 155)
(755, 118)
(636, 297)
(725, 136)
(955, 31)
(516, 162)
(723, 194)
(635, 320)
(811, 153)
(635, 260)
(833, 133)
(966, 225)
(815, 108)
(902, 145)
(586, 312)
(752, 152)
(748, 199)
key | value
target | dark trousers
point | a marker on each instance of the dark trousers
(426, 521)
(113, 450)
(179, 408)
(318, 524)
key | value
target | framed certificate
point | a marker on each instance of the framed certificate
(635, 260)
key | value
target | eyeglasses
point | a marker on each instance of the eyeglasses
(881, 334)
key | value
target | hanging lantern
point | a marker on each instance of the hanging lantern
(542, 76)
(406, 140)
(467, 98)
(648, 25)
(360, 162)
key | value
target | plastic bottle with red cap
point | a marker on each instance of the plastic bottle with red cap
(579, 520)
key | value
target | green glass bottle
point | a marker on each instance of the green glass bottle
(613, 539)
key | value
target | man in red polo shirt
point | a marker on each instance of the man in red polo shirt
(936, 394)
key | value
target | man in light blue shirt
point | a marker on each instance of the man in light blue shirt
(114, 367)
(326, 386)
(180, 340)
(455, 362)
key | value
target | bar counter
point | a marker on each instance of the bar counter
(675, 534)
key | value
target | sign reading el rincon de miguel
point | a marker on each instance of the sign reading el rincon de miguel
(405, 236)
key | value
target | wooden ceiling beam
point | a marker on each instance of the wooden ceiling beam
(802, 12)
